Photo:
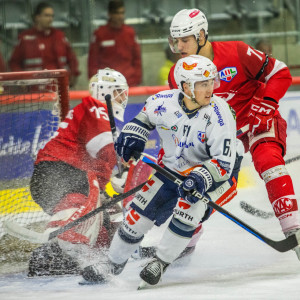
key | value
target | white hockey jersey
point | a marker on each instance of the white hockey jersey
(207, 138)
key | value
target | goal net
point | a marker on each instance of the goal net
(31, 107)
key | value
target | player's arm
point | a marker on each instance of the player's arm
(277, 79)
(134, 135)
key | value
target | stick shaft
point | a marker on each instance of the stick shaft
(115, 200)
(281, 246)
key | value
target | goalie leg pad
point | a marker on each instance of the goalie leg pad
(74, 206)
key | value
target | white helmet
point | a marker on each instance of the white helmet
(106, 82)
(187, 22)
(194, 68)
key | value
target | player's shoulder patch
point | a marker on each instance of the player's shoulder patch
(228, 73)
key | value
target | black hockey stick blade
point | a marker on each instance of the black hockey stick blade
(281, 246)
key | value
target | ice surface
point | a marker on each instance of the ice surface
(229, 263)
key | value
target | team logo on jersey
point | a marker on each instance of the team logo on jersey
(189, 67)
(178, 114)
(174, 128)
(160, 110)
(201, 136)
(227, 74)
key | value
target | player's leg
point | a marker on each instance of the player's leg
(138, 220)
(267, 151)
(175, 239)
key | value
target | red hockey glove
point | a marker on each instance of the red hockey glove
(261, 115)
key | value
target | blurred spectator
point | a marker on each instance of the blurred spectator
(114, 45)
(264, 46)
(171, 59)
(44, 47)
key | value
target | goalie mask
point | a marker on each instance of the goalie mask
(110, 82)
(185, 23)
(195, 68)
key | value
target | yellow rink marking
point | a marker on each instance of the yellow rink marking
(246, 178)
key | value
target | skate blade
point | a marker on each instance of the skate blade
(143, 284)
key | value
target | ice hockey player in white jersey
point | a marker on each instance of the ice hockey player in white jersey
(198, 134)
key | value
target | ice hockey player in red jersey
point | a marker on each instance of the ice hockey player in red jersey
(71, 172)
(252, 83)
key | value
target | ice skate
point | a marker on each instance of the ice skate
(102, 271)
(152, 272)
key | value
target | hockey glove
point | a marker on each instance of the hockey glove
(132, 139)
(261, 115)
(118, 182)
(200, 180)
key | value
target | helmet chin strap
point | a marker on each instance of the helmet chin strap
(200, 47)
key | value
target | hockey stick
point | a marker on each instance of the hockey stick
(259, 212)
(281, 246)
(23, 233)
(113, 129)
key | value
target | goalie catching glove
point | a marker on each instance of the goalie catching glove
(261, 114)
(200, 180)
(132, 139)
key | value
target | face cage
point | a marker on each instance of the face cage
(119, 94)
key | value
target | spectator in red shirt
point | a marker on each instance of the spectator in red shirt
(114, 45)
(44, 47)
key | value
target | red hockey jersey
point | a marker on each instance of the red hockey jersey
(84, 140)
(245, 72)
(38, 50)
(116, 49)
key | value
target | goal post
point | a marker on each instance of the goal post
(32, 104)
